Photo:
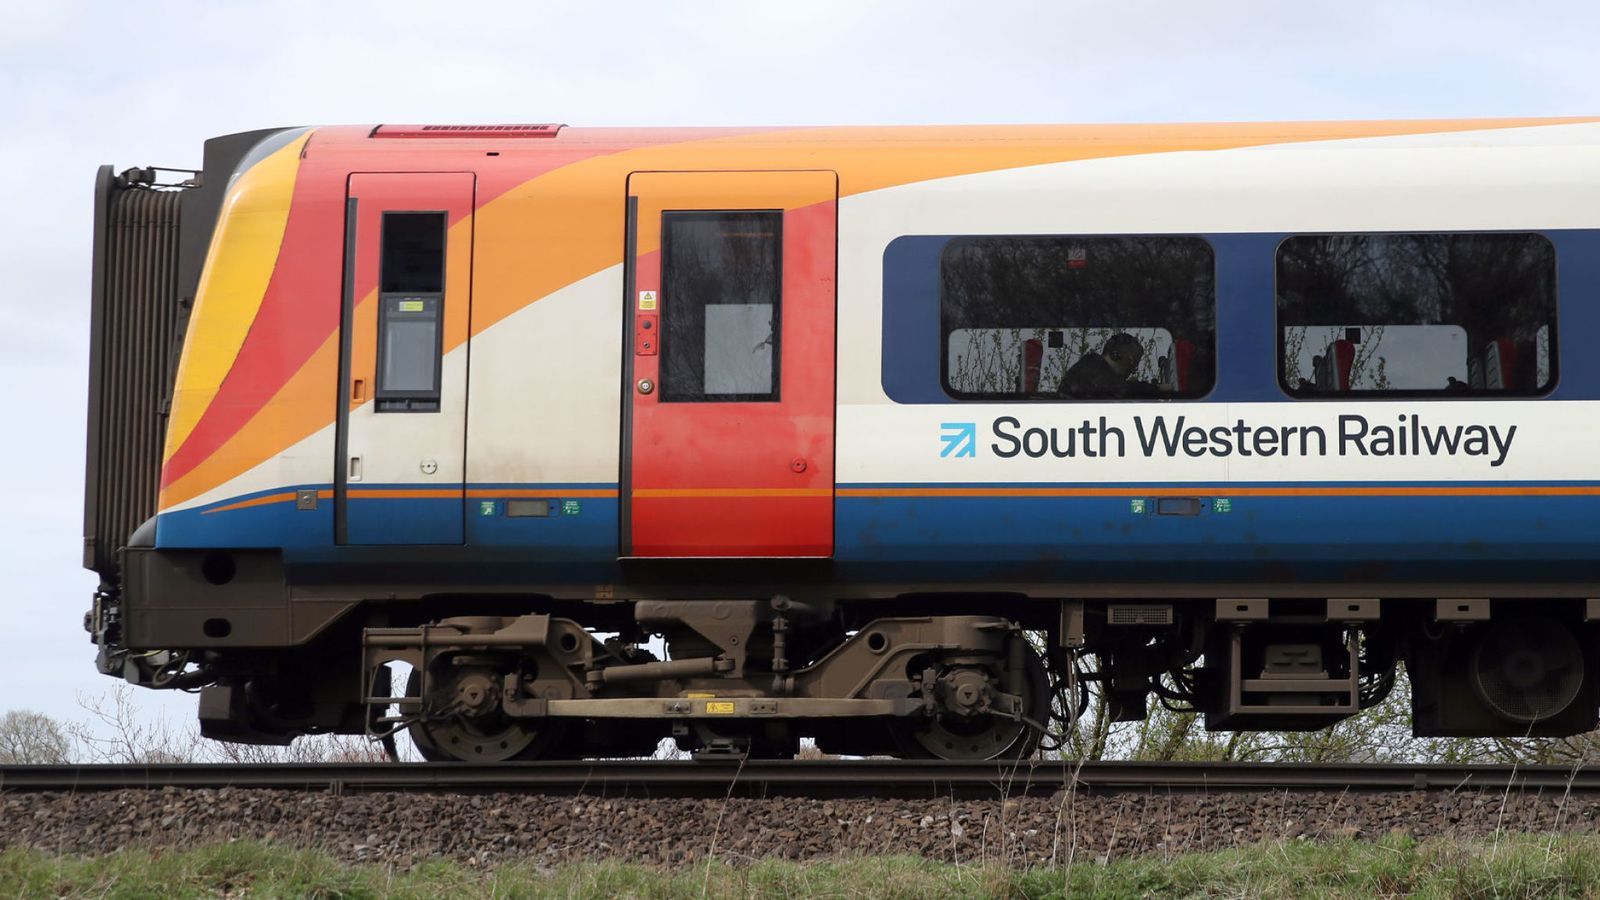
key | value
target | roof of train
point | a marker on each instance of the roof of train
(866, 158)
(1194, 135)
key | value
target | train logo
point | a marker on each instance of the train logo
(960, 439)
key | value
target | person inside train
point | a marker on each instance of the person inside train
(1107, 373)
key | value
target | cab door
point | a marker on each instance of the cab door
(401, 439)
(729, 420)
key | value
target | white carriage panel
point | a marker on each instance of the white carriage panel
(1528, 178)
(1326, 441)
(545, 391)
(395, 448)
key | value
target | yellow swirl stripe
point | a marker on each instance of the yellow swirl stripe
(239, 265)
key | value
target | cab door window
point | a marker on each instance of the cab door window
(410, 312)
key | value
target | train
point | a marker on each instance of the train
(536, 441)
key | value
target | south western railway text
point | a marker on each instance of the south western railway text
(1351, 435)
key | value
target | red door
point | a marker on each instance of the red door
(728, 449)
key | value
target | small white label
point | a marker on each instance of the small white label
(647, 300)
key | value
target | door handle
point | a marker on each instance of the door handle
(355, 468)
(358, 390)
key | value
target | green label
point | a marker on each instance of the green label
(486, 507)
(1136, 506)
(1222, 504)
(571, 507)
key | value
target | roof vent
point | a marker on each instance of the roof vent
(467, 131)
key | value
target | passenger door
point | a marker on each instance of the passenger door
(401, 440)
(728, 424)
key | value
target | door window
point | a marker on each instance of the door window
(720, 305)
(410, 310)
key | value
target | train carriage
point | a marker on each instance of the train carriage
(896, 438)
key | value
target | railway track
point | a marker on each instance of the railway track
(831, 778)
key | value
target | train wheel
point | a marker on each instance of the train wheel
(961, 730)
(491, 737)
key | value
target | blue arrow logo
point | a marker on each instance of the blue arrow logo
(960, 438)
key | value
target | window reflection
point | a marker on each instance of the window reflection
(1423, 313)
(1048, 318)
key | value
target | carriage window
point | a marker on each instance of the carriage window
(410, 311)
(1468, 314)
(720, 305)
(1085, 318)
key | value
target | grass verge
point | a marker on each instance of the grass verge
(1510, 866)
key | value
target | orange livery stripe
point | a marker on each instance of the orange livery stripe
(1223, 490)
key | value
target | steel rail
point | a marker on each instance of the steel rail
(827, 778)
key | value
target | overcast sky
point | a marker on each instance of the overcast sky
(88, 83)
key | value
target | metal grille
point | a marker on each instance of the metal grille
(1142, 614)
(133, 339)
(467, 131)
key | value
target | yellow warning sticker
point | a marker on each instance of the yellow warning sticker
(647, 300)
(719, 708)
